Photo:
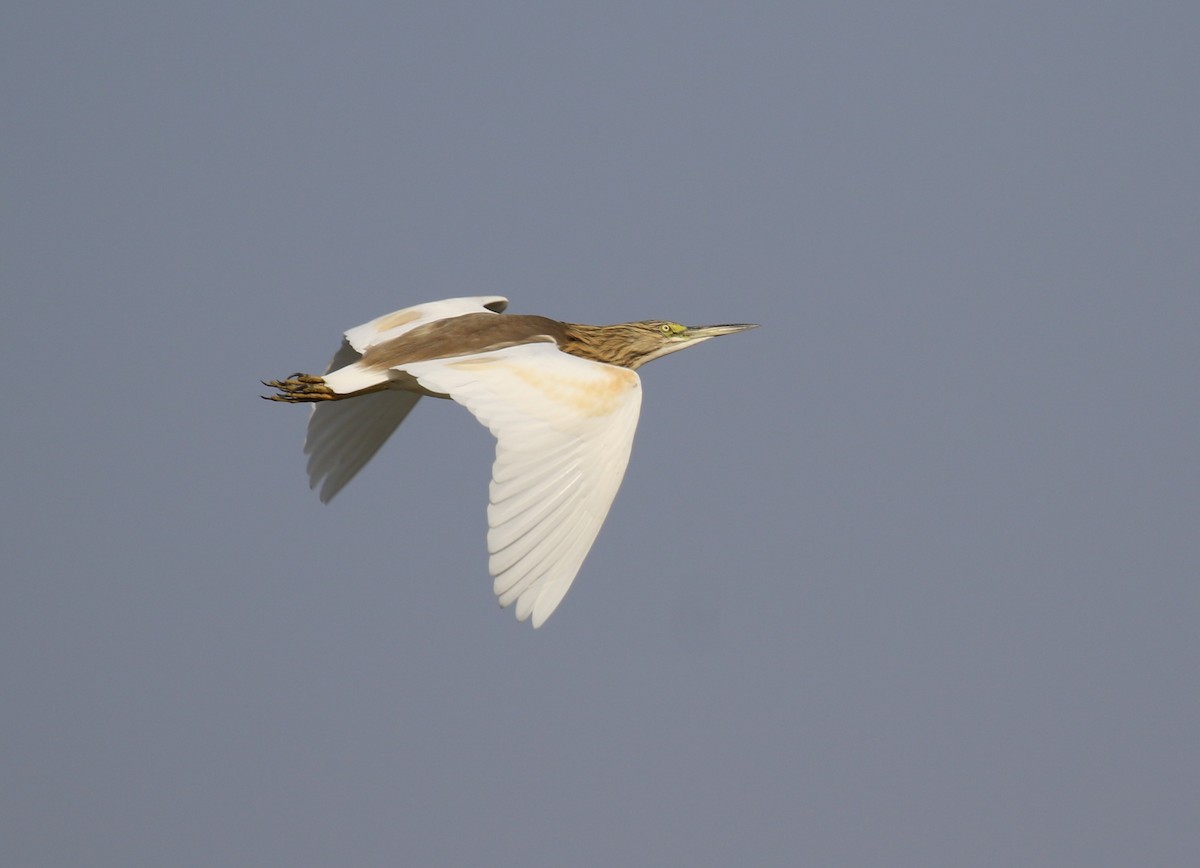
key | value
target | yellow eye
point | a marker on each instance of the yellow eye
(666, 328)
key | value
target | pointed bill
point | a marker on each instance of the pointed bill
(713, 331)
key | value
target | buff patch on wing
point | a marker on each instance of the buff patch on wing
(598, 394)
(397, 319)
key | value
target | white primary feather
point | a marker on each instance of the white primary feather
(344, 435)
(564, 429)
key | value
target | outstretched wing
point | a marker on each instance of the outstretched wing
(344, 435)
(564, 428)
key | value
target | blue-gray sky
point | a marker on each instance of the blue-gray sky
(908, 576)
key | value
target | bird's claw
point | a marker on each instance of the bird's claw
(299, 388)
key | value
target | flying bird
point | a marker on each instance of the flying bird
(562, 400)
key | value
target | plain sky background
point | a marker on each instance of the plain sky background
(907, 577)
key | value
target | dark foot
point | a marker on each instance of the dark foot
(300, 388)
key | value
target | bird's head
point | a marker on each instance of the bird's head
(632, 344)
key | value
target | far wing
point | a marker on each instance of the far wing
(391, 325)
(564, 429)
(344, 435)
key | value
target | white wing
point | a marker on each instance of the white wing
(564, 428)
(392, 325)
(344, 435)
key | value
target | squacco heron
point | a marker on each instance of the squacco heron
(561, 399)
